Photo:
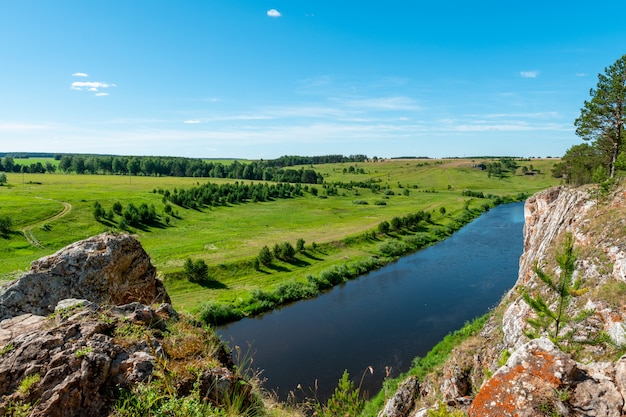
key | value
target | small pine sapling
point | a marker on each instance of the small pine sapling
(552, 318)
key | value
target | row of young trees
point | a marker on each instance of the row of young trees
(213, 195)
(130, 215)
(601, 125)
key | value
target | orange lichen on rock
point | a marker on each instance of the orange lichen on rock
(529, 378)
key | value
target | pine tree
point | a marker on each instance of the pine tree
(602, 118)
(549, 319)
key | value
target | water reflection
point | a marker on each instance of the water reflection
(386, 318)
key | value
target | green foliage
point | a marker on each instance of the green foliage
(27, 384)
(384, 227)
(18, 409)
(3, 178)
(442, 410)
(149, 400)
(602, 118)
(6, 224)
(286, 251)
(117, 208)
(345, 401)
(504, 356)
(218, 313)
(232, 237)
(82, 352)
(265, 256)
(9, 347)
(98, 211)
(300, 245)
(578, 165)
(197, 271)
(551, 320)
(393, 248)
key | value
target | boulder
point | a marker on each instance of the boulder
(80, 362)
(539, 379)
(105, 269)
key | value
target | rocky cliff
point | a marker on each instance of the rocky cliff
(503, 372)
(89, 329)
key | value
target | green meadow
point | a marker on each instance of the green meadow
(337, 224)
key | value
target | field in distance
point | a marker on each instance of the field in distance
(49, 211)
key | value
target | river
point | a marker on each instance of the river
(385, 318)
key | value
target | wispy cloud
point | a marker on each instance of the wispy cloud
(273, 13)
(529, 74)
(384, 103)
(192, 122)
(91, 86)
(80, 74)
(581, 74)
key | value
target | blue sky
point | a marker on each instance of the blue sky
(260, 79)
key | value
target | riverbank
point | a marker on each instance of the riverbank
(379, 247)
(385, 318)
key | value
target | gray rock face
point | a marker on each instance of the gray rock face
(79, 360)
(538, 378)
(105, 269)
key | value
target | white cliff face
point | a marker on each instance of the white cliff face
(598, 226)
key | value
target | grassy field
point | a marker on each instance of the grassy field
(229, 238)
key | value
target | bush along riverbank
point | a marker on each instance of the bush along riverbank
(388, 242)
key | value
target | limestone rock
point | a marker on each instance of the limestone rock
(402, 401)
(527, 382)
(106, 269)
(538, 378)
(82, 360)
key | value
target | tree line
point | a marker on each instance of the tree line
(8, 164)
(213, 195)
(267, 170)
(601, 125)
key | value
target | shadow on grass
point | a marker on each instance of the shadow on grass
(298, 262)
(212, 284)
(278, 268)
(6, 235)
(310, 256)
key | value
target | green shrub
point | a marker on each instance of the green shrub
(6, 224)
(336, 274)
(291, 291)
(196, 271)
(419, 240)
(218, 313)
(393, 248)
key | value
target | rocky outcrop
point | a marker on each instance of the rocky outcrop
(539, 378)
(106, 269)
(78, 332)
(79, 360)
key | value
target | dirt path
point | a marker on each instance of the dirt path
(28, 230)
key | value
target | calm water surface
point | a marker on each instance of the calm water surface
(386, 318)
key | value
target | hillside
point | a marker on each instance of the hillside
(574, 370)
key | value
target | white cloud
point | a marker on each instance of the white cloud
(92, 86)
(273, 13)
(581, 74)
(89, 84)
(80, 74)
(192, 122)
(529, 74)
